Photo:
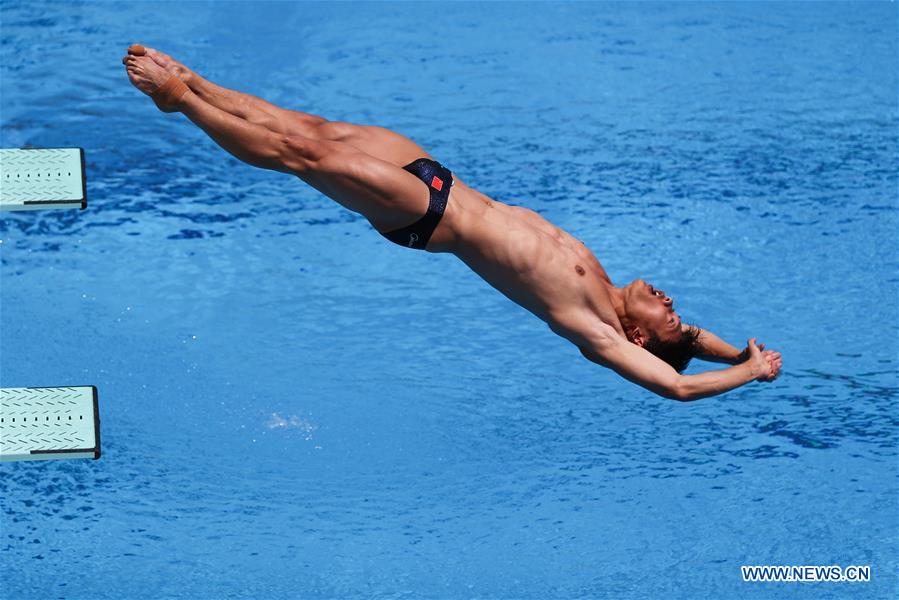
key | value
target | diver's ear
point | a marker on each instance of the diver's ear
(636, 336)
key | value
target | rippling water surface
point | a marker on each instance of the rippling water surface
(294, 408)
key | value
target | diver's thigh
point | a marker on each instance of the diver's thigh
(388, 196)
(379, 142)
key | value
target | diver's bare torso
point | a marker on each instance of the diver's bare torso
(531, 261)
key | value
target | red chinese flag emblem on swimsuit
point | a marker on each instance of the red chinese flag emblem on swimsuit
(437, 183)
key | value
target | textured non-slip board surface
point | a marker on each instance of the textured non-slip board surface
(48, 423)
(33, 178)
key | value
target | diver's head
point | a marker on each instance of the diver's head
(650, 321)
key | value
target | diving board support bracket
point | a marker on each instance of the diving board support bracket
(49, 423)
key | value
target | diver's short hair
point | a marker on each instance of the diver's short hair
(677, 353)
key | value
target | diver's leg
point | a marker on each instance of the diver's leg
(376, 141)
(388, 196)
(246, 106)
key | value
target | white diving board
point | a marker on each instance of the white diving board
(35, 178)
(49, 423)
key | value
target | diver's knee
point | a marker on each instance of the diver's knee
(300, 154)
(337, 131)
(270, 122)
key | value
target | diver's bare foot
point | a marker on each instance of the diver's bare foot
(147, 76)
(171, 65)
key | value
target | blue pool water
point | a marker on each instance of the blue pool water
(294, 408)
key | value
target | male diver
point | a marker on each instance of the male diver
(414, 201)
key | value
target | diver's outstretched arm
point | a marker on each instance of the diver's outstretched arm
(599, 342)
(647, 370)
(713, 349)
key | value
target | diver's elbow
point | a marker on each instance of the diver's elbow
(678, 390)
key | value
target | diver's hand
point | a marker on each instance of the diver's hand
(765, 365)
(744, 355)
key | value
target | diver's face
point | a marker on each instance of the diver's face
(652, 310)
